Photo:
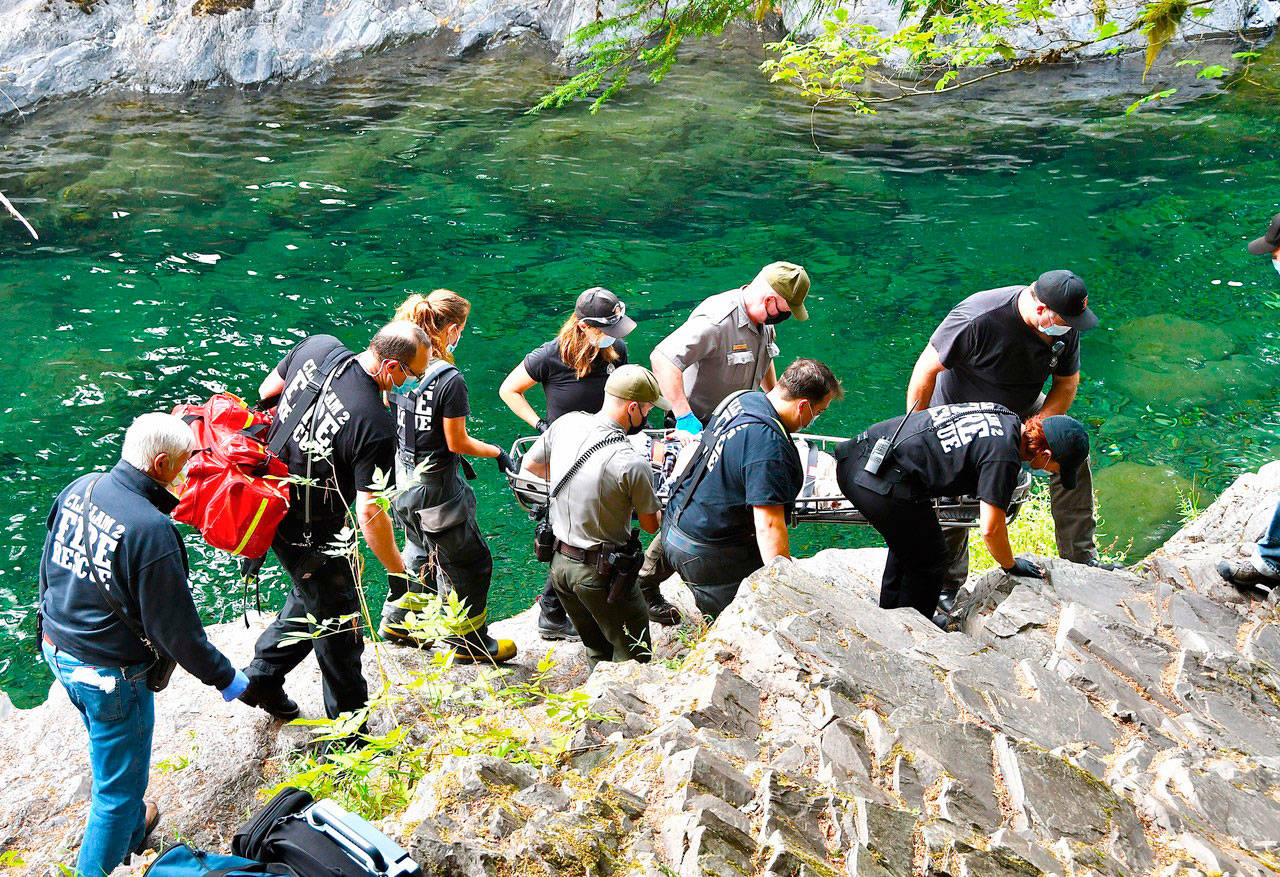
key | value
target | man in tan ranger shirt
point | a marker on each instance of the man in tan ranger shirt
(727, 344)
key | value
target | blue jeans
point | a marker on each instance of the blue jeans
(1266, 556)
(118, 711)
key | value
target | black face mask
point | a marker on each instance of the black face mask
(632, 430)
(774, 319)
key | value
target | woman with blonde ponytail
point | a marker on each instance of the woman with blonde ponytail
(437, 508)
(572, 369)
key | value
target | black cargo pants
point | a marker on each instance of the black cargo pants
(324, 587)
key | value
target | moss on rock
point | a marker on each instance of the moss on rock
(210, 7)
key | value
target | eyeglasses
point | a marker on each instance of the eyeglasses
(408, 371)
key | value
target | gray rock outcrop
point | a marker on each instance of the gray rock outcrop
(53, 48)
(1100, 722)
(1073, 22)
(1108, 723)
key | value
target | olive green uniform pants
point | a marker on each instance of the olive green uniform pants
(610, 631)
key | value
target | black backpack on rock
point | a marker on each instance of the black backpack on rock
(320, 839)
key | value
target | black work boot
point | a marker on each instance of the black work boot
(396, 626)
(662, 612)
(947, 599)
(478, 648)
(552, 629)
(269, 696)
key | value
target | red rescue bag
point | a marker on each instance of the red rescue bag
(235, 493)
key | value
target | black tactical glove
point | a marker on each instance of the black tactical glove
(542, 426)
(1025, 568)
(398, 583)
(504, 463)
(250, 567)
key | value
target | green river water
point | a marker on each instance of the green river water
(188, 241)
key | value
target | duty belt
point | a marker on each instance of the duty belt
(589, 556)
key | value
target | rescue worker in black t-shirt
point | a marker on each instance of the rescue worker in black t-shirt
(341, 446)
(1001, 345)
(974, 448)
(572, 369)
(727, 515)
(437, 508)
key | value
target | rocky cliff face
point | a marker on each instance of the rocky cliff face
(1073, 21)
(1098, 723)
(52, 48)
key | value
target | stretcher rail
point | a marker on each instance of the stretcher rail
(825, 508)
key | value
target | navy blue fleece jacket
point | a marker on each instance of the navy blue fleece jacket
(140, 558)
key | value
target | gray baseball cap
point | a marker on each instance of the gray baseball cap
(1268, 242)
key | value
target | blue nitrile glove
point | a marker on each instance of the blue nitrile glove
(236, 688)
(1025, 568)
(689, 423)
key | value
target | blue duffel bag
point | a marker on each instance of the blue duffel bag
(183, 861)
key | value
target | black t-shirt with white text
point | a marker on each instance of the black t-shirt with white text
(351, 433)
(445, 397)
(970, 449)
(992, 355)
(564, 389)
(758, 465)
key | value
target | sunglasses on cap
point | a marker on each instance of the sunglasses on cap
(612, 320)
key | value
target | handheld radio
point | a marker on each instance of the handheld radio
(884, 446)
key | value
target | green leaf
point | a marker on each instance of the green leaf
(1143, 101)
(1108, 29)
(1187, 62)
(1213, 71)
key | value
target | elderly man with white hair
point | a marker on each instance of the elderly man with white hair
(115, 614)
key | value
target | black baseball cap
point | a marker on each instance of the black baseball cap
(1269, 241)
(1069, 444)
(600, 308)
(1064, 294)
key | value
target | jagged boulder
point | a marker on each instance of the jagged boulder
(1112, 723)
(1097, 722)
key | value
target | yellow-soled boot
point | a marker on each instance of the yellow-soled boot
(474, 650)
(400, 622)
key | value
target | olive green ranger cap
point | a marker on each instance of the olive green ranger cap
(635, 383)
(789, 281)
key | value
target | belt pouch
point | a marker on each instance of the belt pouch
(159, 673)
(544, 540)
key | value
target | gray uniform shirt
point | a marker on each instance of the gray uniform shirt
(720, 350)
(595, 507)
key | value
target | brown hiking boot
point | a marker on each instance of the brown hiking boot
(1244, 574)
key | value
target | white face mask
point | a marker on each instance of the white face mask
(1275, 263)
(1053, 330)
(605, 341)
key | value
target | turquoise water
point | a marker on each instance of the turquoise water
(188, 241)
